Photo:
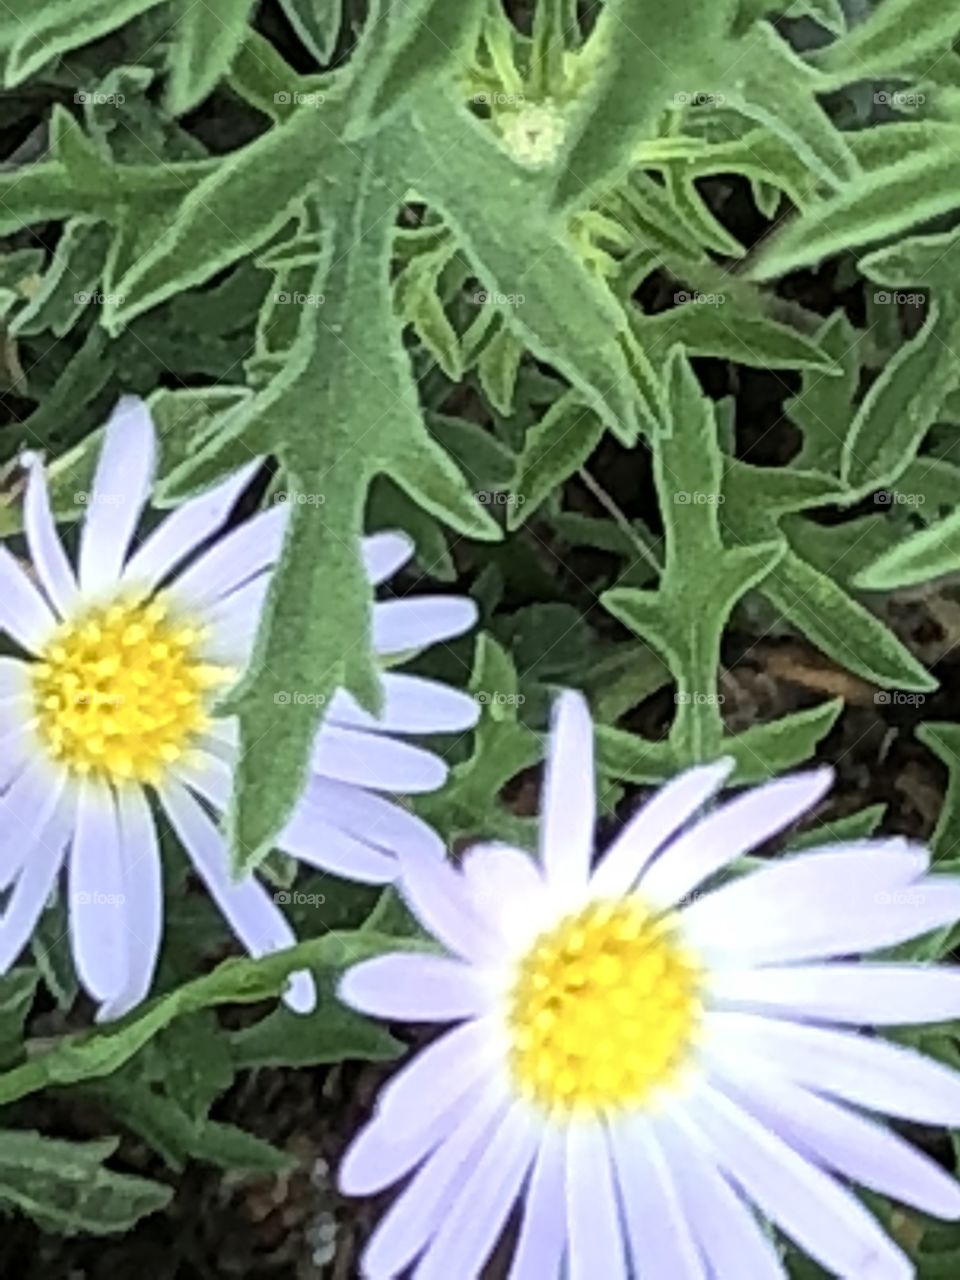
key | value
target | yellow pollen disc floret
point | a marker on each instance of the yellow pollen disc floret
(122, 690)
(605, 1010)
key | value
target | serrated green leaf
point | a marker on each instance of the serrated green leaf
(824, 406)
(317, 23)
(895, 35)
(713, 325)
(206, 41)
(930, 554)
(553, 449)
(50, 30)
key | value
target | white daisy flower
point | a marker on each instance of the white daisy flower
(111, 706)
(648, 1067)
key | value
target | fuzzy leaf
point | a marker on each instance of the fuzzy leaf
(207, 40)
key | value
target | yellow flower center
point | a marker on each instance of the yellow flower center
(605, 1010)
(121, 691)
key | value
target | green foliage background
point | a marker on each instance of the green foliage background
(471, 269)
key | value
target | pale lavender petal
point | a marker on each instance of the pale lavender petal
(876, 994)
(120, 490)
(864, 1070)
(478, 1215)
(26, 806)
(379, 1156)
(248, 908)
(403, 626)
(439, 898)
(312, 840)
(385, 553)
(729, 1234)
(658, 820)
(445, 1072)
(143, 888)
(33, 886)
(507, 888)
(543, 1231)
(233, 560)
(373, 818)
(661, 1243)
(14, 678)
(184, 530)
(24, 614)
(417, 988)
(46, 550)
(819, 1215)
(208, 775)
(416, 1214)
(596, 1245)
(849, 1144)
(97, 899)
(759, 907)
(846, 925)
(233, 621)
(731, 830)
(569, 804)
(372, 760)
(412, 704)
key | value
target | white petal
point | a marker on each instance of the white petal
(569, 805)
(730, 1236)
(311, 839)
(596, 1245)
(251, 912)
(849, 1144)
(412, 704)
(120, 490)
(379, 1156)
(24, 614)
(184, 530)
(384, 554)
(864, 1070)
(445, 1073)
(508, 890)
(657, 821)
(143, 887)
(416, 988)
(233, 560)
(25, 807)
(876, 994)
(233, 621)
(543, 1231)
(372, 760)
(819, 1215)
(415, 1215)
(439, 898)
(46, 550)
(760, 906)
(14, 678)
(478, 1215)
(734, 828)
(35, 882)
(98, 906)
(373, 818)
(661, 1242)
(403, 626)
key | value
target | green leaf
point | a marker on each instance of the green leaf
(644, 56)
(317, 23)
(553, 449)
(47, 31)
(824, 406)
(930, 554)
(65, 1187)
(17, 989)
(895, 35)
(207, 40)
(707, 325)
